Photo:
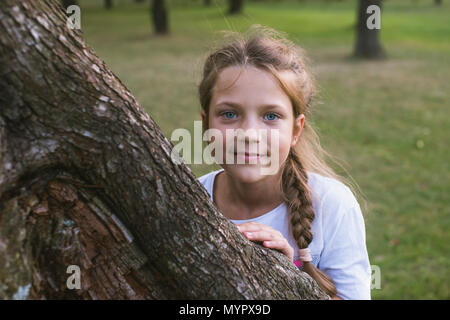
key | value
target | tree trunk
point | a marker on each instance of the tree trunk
(438, 2)
(108, 4)
(159, 17)
(235, 6)
(67, 3)
(87, 180)
(367, 40)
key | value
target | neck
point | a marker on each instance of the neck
(255, 198)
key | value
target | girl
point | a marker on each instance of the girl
(260, 82)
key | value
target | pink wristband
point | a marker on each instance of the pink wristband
(305, 254)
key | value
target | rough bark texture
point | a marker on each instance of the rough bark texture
(367, 40)
(86, 179)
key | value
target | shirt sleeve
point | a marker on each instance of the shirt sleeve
(344, 256)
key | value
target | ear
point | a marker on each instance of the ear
(299, 122)
(204, 120)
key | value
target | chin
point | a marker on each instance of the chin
(245, 173)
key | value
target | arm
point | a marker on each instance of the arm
(344, 257)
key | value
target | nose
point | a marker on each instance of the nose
(251, 128)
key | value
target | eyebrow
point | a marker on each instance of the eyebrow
(237, 105)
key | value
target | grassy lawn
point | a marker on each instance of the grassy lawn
(387, 121)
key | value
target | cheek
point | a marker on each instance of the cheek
(225, 147)
(283, 148)
(213, 124)
(283, 143)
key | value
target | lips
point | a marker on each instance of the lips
(247, 154)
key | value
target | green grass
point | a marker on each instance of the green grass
(374, 116)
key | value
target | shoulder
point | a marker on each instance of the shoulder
(207, 180)
(340, 229)
(208, 177)
(331, 197)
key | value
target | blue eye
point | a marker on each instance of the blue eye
(271, 116)
(229, 114)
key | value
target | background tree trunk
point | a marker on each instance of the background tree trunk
(235, 6)
(160, 17)
(108, 4)
(367, 40)
(438, 2)
(86, 179)
(66, 3)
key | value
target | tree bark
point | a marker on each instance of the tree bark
(86, 179)
(159, 15)
(367, 44)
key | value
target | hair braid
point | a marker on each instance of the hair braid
(298, 200)
(297, 196)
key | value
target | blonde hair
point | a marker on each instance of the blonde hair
(269, 50)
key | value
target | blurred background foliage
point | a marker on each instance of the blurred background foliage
(387, 121)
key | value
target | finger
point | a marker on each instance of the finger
(249, 226)
(255, 226)
(262, 235)
(282, 246)
(274, 244)
(267, 228)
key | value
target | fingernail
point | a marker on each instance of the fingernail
(249, 234)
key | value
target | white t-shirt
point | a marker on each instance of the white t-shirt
(338, 247)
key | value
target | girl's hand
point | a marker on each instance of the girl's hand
(270, 237)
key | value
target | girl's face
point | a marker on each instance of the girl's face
(254, 101)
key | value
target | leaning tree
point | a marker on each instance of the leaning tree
(87, 180)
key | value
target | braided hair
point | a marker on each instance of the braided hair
(294, 183)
